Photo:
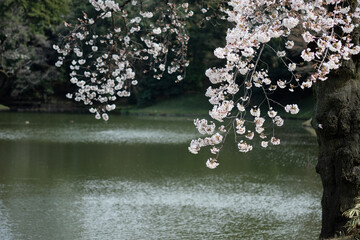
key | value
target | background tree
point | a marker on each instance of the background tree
(26, 51)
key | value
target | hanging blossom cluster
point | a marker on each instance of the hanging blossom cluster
(103, 65)
(326, 27)
(141, 33)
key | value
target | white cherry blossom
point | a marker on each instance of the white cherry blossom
(102, 76)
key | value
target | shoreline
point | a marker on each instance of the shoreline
(130, 113)
(189, 105)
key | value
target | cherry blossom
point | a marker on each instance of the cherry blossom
(255, 24)
(211, 163)
(102, 66)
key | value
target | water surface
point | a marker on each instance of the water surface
(72, 177)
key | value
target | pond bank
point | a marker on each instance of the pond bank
(4, 108)
(189, 105)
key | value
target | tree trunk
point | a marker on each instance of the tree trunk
(337, 123)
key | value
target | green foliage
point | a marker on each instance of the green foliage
(152, 90)
(39, 15)
(26, 54)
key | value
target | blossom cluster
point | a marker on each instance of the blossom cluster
(102, 66)
(326, 28)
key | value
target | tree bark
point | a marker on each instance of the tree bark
(337, 123)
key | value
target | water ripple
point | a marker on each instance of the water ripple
(121, 136)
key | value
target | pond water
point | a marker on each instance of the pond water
(67, 176)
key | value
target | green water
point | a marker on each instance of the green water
(72, 177)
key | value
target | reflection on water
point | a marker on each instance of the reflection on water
(66, 130)
(64, 180)
(123, 136)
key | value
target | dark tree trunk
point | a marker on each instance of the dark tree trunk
(338, 112)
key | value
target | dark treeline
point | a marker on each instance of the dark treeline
(28, 29)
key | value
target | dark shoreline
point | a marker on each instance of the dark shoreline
(120, 112)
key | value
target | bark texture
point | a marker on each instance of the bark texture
(338, 112)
